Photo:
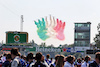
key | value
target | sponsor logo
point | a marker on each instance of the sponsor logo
(42, 49)
(16, 38)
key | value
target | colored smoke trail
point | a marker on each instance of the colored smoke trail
(46, 30)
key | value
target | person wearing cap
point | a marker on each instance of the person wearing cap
(96, 63)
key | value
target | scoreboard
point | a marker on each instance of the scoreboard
(16, 37)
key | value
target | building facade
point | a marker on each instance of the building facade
(82, 36)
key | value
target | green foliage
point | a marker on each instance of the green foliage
(71, 45)
(97, 40)
(42, 45)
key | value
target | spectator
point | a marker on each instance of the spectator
(82, 60)
(60, 61)
(86, 64)
(51, 59)
(7, 63)
(38, 63)
(24, 58)
(65, 58)
(43, 61)
(97, 61)
(47, 59)
(23, 61)
(3, 59)
(30, 59)
(56, 58)
(79, 62)
(0, 62)
(15, 57)
(70, 61)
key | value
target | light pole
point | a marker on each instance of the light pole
(21, 23)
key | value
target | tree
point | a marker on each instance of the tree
(97, 41)
(97, 37)
(50, 45)
(43, 45)
(71, 45)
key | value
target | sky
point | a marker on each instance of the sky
(69, 11)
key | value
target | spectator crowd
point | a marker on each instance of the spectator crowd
(15, 59)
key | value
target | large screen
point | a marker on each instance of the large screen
(16, 37)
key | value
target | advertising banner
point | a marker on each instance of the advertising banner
(44, 49)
